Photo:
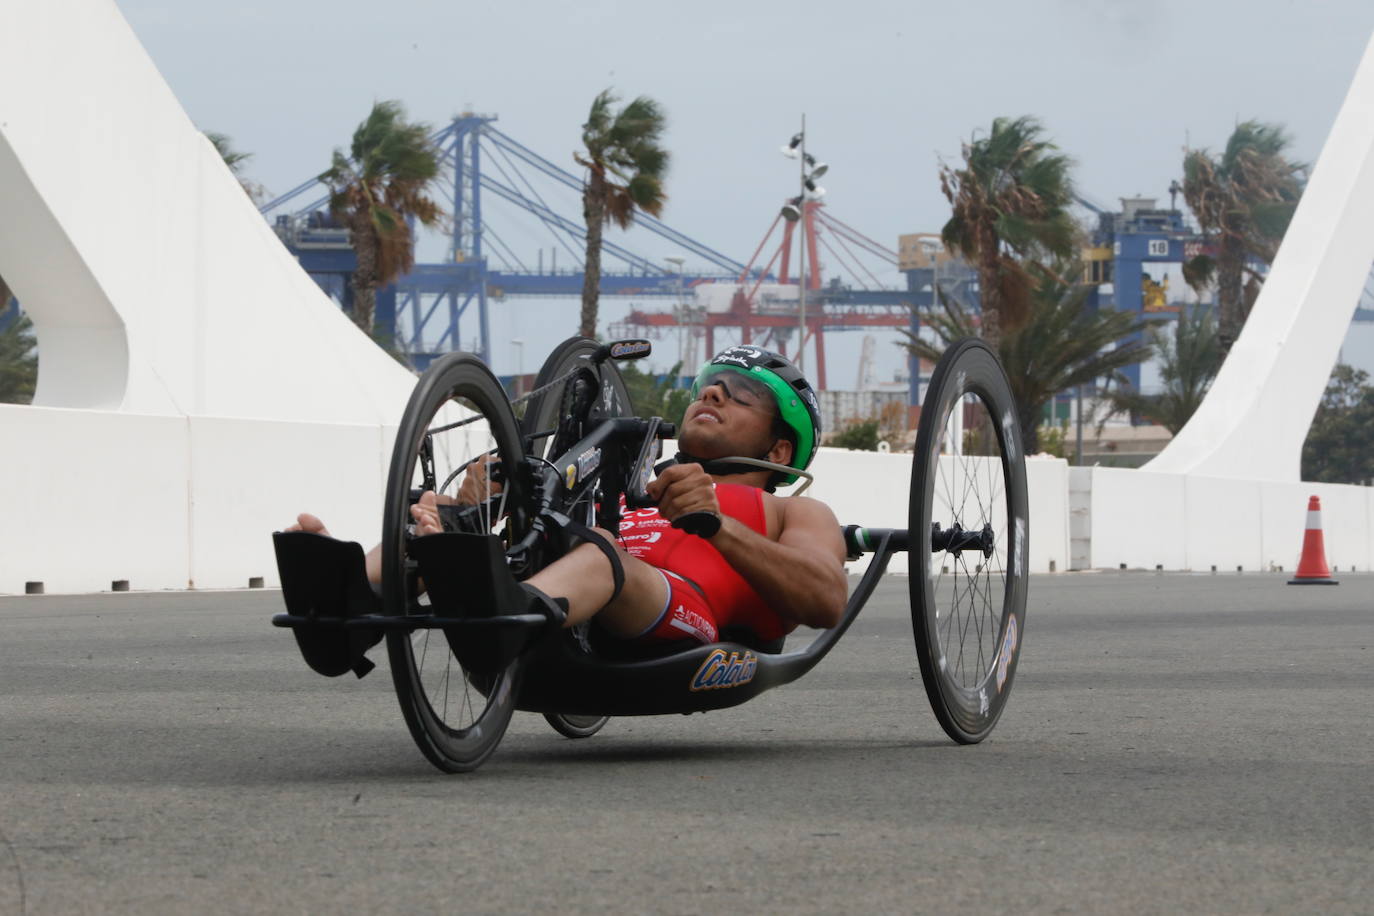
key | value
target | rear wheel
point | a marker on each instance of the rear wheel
(575, 726)
(457, 415)
(552, 421)
(968, 523)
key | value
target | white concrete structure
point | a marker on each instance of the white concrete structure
(1255, 418)
(177, 421)
(178, 417)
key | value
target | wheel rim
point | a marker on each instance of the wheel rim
(457, 418)
(973, 534)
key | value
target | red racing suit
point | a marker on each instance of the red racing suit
(706, 594)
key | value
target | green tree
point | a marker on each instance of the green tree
(1010, 203)
(860, 435)
(1340, 442)
(1243, 200)
(18, 362)
(1189, 360)
(655, 396)
(625, 170)
(1059, 346)
(375, 191)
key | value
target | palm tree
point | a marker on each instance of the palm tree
(235, 159)
(1060, 345)
(625, 170)
(1189, 360)
(225, 147)
(375, 192)
(1244, 201)
(1010, 201)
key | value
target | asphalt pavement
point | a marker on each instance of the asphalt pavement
(1199, 743)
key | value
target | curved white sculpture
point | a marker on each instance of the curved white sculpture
(153, 283)
(1254, 421)
(196, 389)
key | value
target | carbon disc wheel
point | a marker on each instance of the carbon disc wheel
(543, 413)
(968, 520)
(458, 414)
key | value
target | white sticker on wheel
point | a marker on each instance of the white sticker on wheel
(1004, 657)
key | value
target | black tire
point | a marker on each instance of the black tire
(968, 603)
(575, 726)
(457, 717)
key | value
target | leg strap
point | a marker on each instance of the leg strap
(579, 530)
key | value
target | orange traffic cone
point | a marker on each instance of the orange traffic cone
(1312, 568)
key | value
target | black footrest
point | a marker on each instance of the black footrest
(467, 579)
(466, 575)
(324, 584)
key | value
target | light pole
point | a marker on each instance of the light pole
(519, 345)
(801, 256)
(796, 209)
(681, 313)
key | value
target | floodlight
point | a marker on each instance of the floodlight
(790, 150)
(817, 168)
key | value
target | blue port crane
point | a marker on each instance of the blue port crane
(478, 159)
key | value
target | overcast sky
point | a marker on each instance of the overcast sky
(888, 89)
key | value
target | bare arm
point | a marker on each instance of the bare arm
(801, 574)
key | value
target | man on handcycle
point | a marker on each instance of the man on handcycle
(774, 563)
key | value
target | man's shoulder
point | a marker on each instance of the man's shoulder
(798, 506)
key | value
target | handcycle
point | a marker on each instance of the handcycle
(467, 648)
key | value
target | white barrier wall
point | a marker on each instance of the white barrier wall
(90, 497)
(175, 502)
(1143, 519)
(873, 489)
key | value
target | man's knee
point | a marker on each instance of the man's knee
(606, 545)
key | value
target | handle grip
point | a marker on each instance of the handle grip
(702, 524)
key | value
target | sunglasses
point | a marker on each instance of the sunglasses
(735, 385)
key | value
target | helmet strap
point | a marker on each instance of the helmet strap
(738, 464)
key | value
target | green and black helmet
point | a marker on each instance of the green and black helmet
(798, 408)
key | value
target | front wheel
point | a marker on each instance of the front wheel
(968, 521)
(457, 415)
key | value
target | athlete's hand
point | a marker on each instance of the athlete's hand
(307, 522)
(426, 514)
(477, 486)
(684, 488)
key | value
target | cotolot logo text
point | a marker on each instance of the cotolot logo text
(722, 670)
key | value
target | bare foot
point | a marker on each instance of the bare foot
(310, 523)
